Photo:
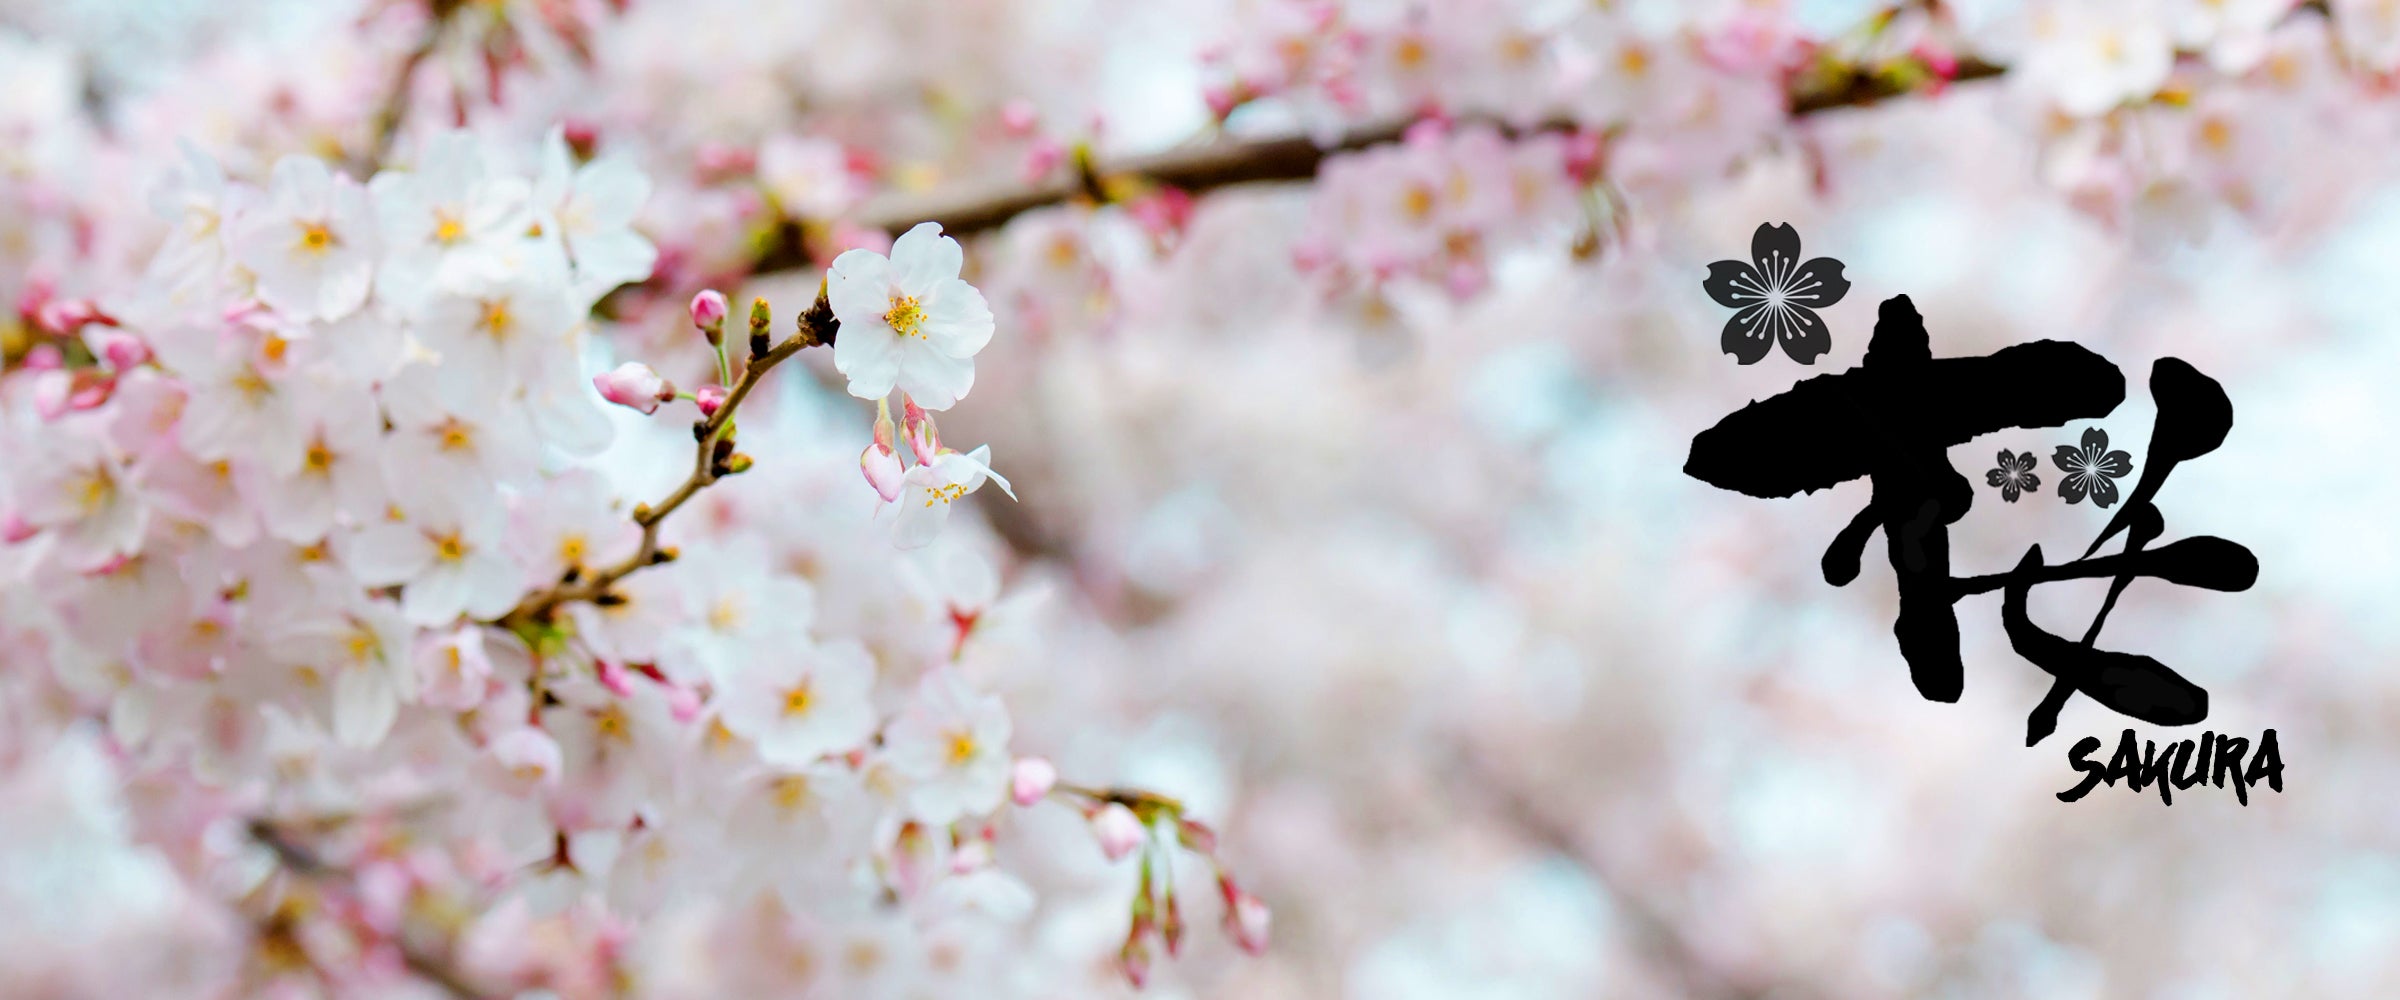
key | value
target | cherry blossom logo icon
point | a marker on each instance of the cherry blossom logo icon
(2015, 476)
(1775, 296)
(2091, 469)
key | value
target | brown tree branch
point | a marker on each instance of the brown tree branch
(971, 208)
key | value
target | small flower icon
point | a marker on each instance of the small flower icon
(2015, 475)
(2091, 469)
(1775, 297)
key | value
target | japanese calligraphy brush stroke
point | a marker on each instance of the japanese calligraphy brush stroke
(1835, 428)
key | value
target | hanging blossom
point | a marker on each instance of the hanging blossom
(908, 321)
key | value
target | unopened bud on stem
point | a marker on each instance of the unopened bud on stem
(708, 313)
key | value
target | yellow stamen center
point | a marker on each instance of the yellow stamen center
(907, 317)
(455, 436)
(945, 493)
(95, 491)
(496, 319)
(449, 548)
(571, 550)
(791, 791)
(797, 700)
(962, 748)
(1633, 60)
(611, 723)
(319, 459)
(316, 238)
(726, 614)
(447, 230)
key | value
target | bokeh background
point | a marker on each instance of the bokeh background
(1400, 581)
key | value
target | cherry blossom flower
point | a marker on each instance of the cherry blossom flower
(446, 557)
(365, 647)
(591, 208)
(954, 743)
(804, 703)
(742, 608)
(453, 671)
(78, 491)
(196, 200)
(440, 220)
(570, 523)
(810, 178)
(1030, 779)
(312, 243)
(2089, 58)
(339, 473)
(497, 332)
(241, 399)
(908, 321)
(930, 488)
(530, 755)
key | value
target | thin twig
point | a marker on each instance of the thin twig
(817, 326)
(384, 124)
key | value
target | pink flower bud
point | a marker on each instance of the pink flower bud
(529, 754)
(683, 703)
(1030, 779)
(710, 397)
(1118, 830)
(65, 317)
(971, 856)
(1246, 917)
(882, 469)
(1019, 116)
(14, 528)
(50, 391)
(582, 136)
(1221, 100)
(1134, 962)
(708, 310)
(923, 438)
(1196, 836)
(123, 350)
(635, 386)
(1042, 157)
(613, 676)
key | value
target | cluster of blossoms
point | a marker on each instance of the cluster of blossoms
(310, 519)
(2159, 115)
(1438, 207)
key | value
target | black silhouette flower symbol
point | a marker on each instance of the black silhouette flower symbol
(2015, 475)
(1775, 297)
(2091, 469)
